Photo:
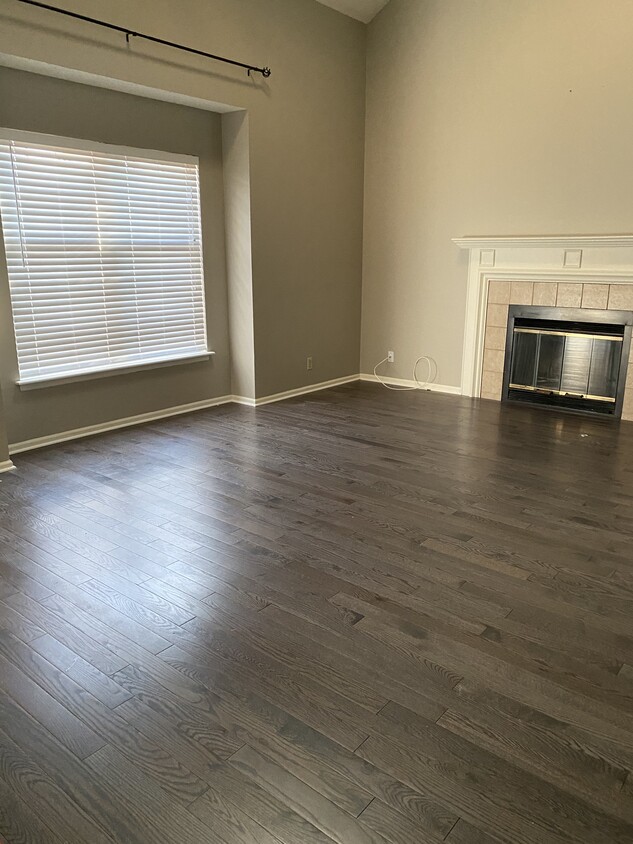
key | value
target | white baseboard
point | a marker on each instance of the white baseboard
(6, 466)
(299, 391)
(90, 430)
(405, 382)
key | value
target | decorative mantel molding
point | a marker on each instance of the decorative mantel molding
(545, 241)
(586, 259)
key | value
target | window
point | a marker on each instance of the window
(104, 256)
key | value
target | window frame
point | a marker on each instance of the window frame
(126, 367)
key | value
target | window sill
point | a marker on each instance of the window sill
(55, 380)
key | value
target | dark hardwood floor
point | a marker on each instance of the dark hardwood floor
(362, 617)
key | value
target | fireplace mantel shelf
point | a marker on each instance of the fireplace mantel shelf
(544, 241)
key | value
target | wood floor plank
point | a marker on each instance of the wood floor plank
(306, 802)
(501, 672)
(279, 819)
(19, 823)
(465, 833)
(326, 766)
(94, 626)
(115, 613)
(55, 561)
(322, 711)
(342, 655)
(96, 682)
(557, 751)
(16, 623)
(173, 777)
(289, 656)
(140, 614)
(392, 826)
(41, 773)
(14, 571)
(228, 822)
(155, 819)
(507, 787)
(63, 631)
(249, 719)
(67, 729)
(354, 616)
(157, 722)
(6, 588)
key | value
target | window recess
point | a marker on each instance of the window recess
(104, 256)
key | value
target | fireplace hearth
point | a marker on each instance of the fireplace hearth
(567, 358)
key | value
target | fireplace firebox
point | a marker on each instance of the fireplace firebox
(568, 358)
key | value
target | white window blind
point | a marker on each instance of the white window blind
(104, 257)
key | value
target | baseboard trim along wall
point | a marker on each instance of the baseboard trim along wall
(299, 391)
(405, 382)
(126, 422)
(113, 425)
(6, 466)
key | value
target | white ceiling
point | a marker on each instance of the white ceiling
(362, 10)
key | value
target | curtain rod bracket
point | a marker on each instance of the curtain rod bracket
(265, 71)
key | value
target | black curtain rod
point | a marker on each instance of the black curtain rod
(265, 71)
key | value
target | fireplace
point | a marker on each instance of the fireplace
(572, 272)
(569, 358)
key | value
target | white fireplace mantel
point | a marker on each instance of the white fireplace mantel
(588, 259)
(582, 241)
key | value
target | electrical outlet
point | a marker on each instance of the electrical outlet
(309, 363)
(391, 358)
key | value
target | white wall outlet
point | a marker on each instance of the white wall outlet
(309, 363)
(391, 357)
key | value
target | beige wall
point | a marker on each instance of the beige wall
(41, 104)
(306, 147)
(239, 264)
(484, 117)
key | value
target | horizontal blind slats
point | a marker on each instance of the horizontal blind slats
(104, 258)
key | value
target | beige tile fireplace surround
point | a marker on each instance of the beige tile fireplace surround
(565, 272)
(501, 294)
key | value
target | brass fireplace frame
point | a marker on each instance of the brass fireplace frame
(553, 398)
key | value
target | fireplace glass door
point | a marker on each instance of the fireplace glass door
(583, 365)
(565, 362)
